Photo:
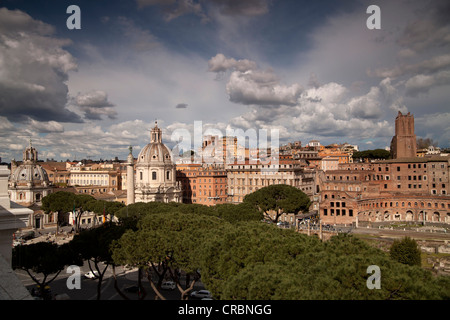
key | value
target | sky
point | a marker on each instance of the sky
(309, 70)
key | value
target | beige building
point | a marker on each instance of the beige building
(94, 178)
(245, 178)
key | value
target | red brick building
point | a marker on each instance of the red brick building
(405, 188)
(392, 190)
(203, 184)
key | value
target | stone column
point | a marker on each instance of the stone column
(130, 178)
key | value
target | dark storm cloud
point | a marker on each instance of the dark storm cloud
(34, 68)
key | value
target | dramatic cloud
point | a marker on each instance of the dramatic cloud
(262, 88)
(307, 71)
(94, 104)
(248, 85)
(427, 66)
(423, 62)
(34, 68)
(423, 83)
(430, 28)
(366, 107)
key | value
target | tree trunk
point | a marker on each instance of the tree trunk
(140, 286)
(116, 286)
(155, 289)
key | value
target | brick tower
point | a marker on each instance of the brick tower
(404, 144)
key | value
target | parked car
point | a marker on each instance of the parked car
(91, 275)
(168, 285)
(201, 294)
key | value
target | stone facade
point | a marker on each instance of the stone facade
(155, 178)
(245, 178)
(28, 185)
(28, 182)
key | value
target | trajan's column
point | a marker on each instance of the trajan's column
(130, 177)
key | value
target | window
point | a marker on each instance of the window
(140, 175)
(167, 175)
(154, 175)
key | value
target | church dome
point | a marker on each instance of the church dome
(29, 171)
(155, 151)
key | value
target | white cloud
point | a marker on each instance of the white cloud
(220, 63)
(261, 88)
(368, 106)
(45, 126)
(250, 86)
(16, 147)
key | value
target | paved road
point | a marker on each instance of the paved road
(418, 235)
(88, 288)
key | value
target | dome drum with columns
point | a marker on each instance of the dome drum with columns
(155, 178)
(28, 182)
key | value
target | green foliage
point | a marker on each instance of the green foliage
(103, 207)
(43, 258)
(60, 201)
(237, 212)
(63, 201)
(406, 251)
(228, 212)
(240, 257)
(280, 199)
(167, 241)
(266, 265)
(95, 243)
(372, 154)
(40, 257)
